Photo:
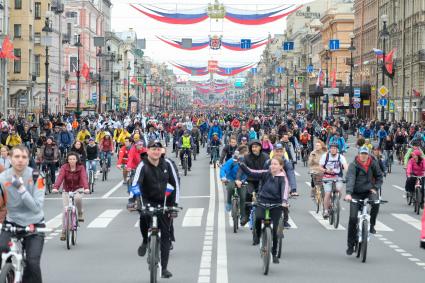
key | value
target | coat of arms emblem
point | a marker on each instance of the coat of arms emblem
(215, 42)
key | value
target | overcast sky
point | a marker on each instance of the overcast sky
(125, 17)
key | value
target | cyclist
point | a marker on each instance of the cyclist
(72, 177)
(388, 147)
(92, 155)
(106, 147)
(243, 134)
(215, 129)
(314, 165)
(274, 189)
(382, 134)
(196, 135)
(83, 134)
(4, 158)
(333, 166)
(80, 148)
(228, 176)
(117, 133)
(49, 155)
(152, 177)
(215, 141)
(377, 155)
(289, 148)
(415, 167)
(65, 139)
(305, 140)
(266, 144)
(415, 146)
(27, 139)
(185, 144)
(13, 139)
(364, 180)
(24, 206)
(123, 157)
(229, 150)
(337, 139)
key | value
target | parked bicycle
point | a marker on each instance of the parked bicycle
(13, 261)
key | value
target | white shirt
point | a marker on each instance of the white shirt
(333, 164)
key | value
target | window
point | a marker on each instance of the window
(18, 4)
(17, 63)
(73, 64)
(37, 37)
(37, 65)
(30, 32)
(17, 31)
(37, 10)
(68, 31)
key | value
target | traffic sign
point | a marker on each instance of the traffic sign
(245, 43)
(356, 99)
(288, 45)
(310, 69)
(392, 106)
(356, 92)
(331, 91)
(280, 70)
(383, 90)
(383, 102)
(334, 44)
(356, 105)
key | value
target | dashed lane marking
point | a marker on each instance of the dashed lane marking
(408, 219)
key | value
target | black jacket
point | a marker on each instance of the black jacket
(255, 162)
(227, 153)
(359, 181)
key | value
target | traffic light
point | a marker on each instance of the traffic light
(291, 83)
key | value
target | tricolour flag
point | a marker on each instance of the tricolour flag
(379, 53)
(319, 78)
(169, 190)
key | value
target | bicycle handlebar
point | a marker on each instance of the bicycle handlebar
(151, 210)
(30, 229)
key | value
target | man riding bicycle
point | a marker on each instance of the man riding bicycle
(185, 144)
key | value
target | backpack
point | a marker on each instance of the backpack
(339, 161)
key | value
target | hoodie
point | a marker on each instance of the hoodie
(255, 162)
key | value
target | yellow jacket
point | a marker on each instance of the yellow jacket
(124, 134)
(117, 134)
(13, 140)
(81, 136)
(100, 135)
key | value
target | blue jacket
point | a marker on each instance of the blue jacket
(65, 138)
(367, 133)
(341, 143)
(203, 127)
(382, 134)
(229, 170)
(215, 129)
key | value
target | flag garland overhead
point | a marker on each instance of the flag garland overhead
(221, 71)
(179, 43)
(193, 16)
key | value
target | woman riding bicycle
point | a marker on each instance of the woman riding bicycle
(415, 167)
(314, 165)
(274, 189)
(79, 148)
(92, 155)
(72, 177)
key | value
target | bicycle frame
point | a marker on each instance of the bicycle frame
(71, 208)
(363, 214)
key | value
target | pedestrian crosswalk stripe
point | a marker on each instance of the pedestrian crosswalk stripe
(379, 226)
(325, 222)
(408, 219)
(193, 217)
(103, 220)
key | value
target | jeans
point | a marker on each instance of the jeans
(164, 224)
(275, 214)
(242, 197)
(189, 155)
(108, 156)
(33, 244)
(91, 163)
(354, 209)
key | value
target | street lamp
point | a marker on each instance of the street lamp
(128, 86)
(384, 36)
(351, 49)
(327, 58)
(295, 90)
(138, 85)
(144, 89)
(47, 28)
(78, 45)
(112, 78)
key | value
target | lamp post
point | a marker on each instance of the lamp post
(144, 91)
(351, 49)
(99, 95)
(78, 45)
(128, 86)
(47, 28)
(138, 86)
(295, 90)
(112, 80)
(287, 90)
(327, 58)
(384, 36)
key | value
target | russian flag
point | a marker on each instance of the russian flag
(379, 53)
(169, 190)
(135, 191)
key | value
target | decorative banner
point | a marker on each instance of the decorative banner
(236, 46)
(215, 42)
(179, 43)
(216, 11)
(233, 70)
(212, 68)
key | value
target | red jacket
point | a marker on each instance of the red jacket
(72, 180)
(105, 146)
(123, 155)
(134, 157)
(235, 123)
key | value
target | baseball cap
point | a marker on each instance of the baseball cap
(244, 138)
(278, 146)
(155, 143)
(364, 149)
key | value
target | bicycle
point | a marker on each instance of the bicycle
(236, 207)
(13, 261)
(266, 235)
(280, 237)
(335, 207)
(177, 149)
(45, 173)
(64, 154)
(318, 197)
(195, 150)
(416, 197)
(71, 221)
(362, 227)
(154, 235)
(92, 175)
(401, 152)
(304, 155)
(215, 154)
(104, 166)
(252, 218)
(185, 163)
(389, 159)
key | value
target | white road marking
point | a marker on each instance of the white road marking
(379, 226)
(421, 263)
(292, 223)
(55, 222)
(296, 173)
(325, 223)
(113, 198)
(399, 188)
(111, 191)
(408, 219)
(414, 259)
(406, 254)
(103, 220)
(308, 184)
(193, 217)
(400, 250)
(137, 224)
(222, 276)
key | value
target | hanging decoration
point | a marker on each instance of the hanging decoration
(236, 46)
(215, 42)
(179, 43)
(216, 12)
(212, 67)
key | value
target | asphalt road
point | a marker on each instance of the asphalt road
(207, 250)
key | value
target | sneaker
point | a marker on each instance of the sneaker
(63, 237)
(422, 244)
(372, 229)
(275, 259)
(350, 250)
(141, 251)
(244, 220)
(326, 214)
(228, 207)
(166, 274)
(80, 217)
(286, 225)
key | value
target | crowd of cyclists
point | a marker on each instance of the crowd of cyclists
(256, 152)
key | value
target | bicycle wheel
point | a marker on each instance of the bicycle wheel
(194, 153)
(74, 226)
(266, 242)
(185, 166)
(409, 198)
(153, 258)
(104, 171)
(418, 200)
(8, 274)
(390, 161)
(280, 237)
(331, 214)
(318, 199)
(235, 214)
(177, 153)
(336, 210)
(91, 181)
(365, 236)
(68, 219)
